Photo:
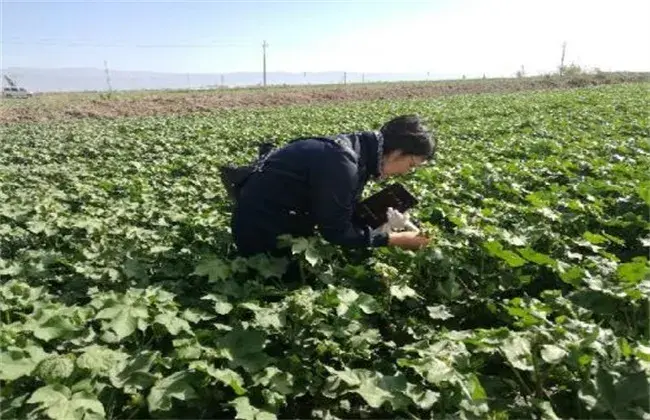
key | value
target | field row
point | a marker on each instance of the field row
(100, 105)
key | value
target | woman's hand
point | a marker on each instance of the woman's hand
(407, 240)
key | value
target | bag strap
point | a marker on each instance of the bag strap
(259, 164)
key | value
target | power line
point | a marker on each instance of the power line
(117, 45)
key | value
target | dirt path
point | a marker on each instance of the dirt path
(61, 107)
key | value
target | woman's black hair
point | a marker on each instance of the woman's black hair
(408, 134)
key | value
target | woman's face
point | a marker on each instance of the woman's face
(396, 163)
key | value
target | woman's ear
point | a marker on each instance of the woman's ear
(388, 162)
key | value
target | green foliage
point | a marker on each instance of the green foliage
(121, 297)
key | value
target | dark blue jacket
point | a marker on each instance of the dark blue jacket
(308, 184)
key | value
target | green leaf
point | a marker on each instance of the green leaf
(51, 322)
(55, 401)
(588, 399)
(346, 375)
(642, 352)
(276, 380)
(634, 271)
(173, 323)
(475, 389)
(553, 354)
(246, 411)
(371, 392)
(226, 376)
(368, 304)
(496, 249)
(606, 388)
(516, 348)
(194, 315)
(101, 360)
(312, 256)
(158, 249)
(60, 404)
(299, 245)
(55, 368)
(174, 386)
(11, 409)
(511, 258)
(423, 399)
(136, 372)
(241, 341)
(245, 348)
(594, 238)
(547, 410)
(572, 276)
(221, 305)
(644, 191)
(614, 239)
(134, 269)
(402, 292)
(434, 370)
(448, 288)
(375, 388)
(215, 268)
(438, 372)
(268, 267)
(644, 242)
(515, 240)
(536, 257)
(633, 389)
(50, 394)
(188, 348)
(265, 318)
(526, 315)
(624, 346)
(548, 213)
(122, 320)
(16, 362)
(439, 312)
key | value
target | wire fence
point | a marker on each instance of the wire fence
(106, 74)
(54, 80)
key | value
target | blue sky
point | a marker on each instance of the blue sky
(468, 37)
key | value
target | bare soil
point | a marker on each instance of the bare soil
(70, 106)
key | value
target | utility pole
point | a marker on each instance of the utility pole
(222, 80)
(521, 73)
(562, 59)
(108, 77)
(264, 46)
(345, 77)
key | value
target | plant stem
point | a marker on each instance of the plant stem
(411, 415)
(519, 378)
(302, 273)
(538, 377)
(133, 414)
(111, 404)
(648, 332)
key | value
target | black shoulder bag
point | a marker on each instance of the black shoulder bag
(233, 177)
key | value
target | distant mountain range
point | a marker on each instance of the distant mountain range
(93, 79)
